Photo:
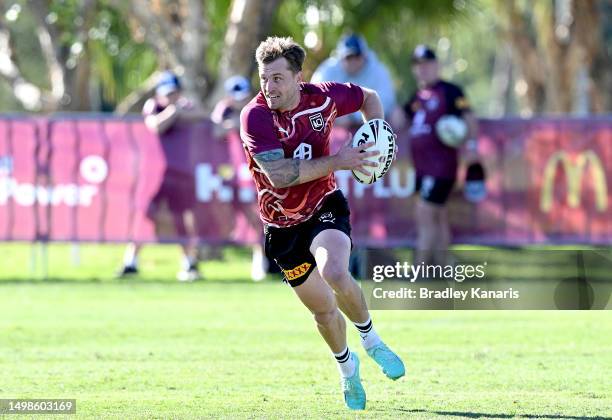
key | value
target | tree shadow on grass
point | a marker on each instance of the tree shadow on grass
(473, 415)
(138, 281)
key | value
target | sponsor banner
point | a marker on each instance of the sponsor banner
(495, 279)
(90, 178)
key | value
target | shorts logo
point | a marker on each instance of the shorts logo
(327, 218)
(316, 121)
(297, 272)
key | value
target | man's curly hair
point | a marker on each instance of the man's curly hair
(275, 47)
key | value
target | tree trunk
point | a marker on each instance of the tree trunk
(178, 31)
(249, 22)
(554, 44)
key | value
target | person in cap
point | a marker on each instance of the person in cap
(435, 163)
(161, 113)
(226, 113)
(354, 62)
(226, 116)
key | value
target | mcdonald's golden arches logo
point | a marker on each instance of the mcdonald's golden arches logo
(574, 169)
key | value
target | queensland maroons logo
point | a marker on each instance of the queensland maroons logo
(317, 122)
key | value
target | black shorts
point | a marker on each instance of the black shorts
(290, 246)
(434, 190)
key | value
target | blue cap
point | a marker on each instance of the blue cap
(238, 87)
(168, 82)
(352, 44)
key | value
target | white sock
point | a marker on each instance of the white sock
(369, 337)
(346, 363)
(188, 262)
(130, 259)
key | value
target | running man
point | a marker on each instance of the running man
(285, 130)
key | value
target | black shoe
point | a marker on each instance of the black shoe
(126, 272)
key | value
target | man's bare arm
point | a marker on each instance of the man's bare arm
(284, 173)
(372, 106)
(472, 124)
(161, 122)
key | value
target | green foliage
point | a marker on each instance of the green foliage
(121, 60)
(392, 29)
(27, 52)
(217, 14)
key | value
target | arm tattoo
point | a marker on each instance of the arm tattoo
(269, 156)
(280, 171)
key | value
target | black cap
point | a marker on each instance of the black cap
(423, 53)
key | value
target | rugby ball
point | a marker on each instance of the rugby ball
(451, 130)
(378, 131)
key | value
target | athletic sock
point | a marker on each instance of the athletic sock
(188, 263)
(369, 337)
(346, 364)
(130, 259)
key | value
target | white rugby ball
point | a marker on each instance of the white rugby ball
(378, 131)
(451, 130)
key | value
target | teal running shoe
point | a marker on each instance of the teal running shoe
(354, 394)
(391, 364)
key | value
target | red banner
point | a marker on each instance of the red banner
(111, 180)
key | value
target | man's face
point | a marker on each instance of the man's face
(352, 64)
(280, 85)
(170, 98)
(426, 72)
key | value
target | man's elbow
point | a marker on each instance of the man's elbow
(371, 95)
(152, 125)
(371, 99)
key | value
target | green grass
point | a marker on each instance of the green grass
(229, 348)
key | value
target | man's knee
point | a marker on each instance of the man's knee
(326, 317)
(338, 277)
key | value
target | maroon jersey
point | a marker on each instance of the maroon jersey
(427, 105)
(302, 133)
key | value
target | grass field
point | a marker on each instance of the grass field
(230, 348)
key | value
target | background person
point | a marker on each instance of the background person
(354, 62)
(435, 163)
(226, 116)
(161, 113)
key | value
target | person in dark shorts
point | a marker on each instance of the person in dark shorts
(161, 113)
(285, 130)
(435, 163)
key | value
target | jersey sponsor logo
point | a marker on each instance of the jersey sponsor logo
(462, 103)
(282, 130)
(303, 152)
(432, 104)
(317, 122)
(419, 127)
(297, 272)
